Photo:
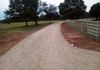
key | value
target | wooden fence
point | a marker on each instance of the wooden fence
(87, 27)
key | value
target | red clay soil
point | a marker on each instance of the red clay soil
(10, 39)
(79, 40)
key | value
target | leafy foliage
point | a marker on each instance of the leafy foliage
(26, 9)
(95, 11)
(49, 10)
(73, 9)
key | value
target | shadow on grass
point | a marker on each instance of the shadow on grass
(24, 28)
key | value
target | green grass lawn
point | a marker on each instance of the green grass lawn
(20, 26)
(6, 29)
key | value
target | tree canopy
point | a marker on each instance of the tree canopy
(73, 9)
(26, 9)
(49, 10)
(95, 11)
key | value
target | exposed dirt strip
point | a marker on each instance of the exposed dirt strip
(79, 40)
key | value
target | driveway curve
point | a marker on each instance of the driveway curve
(48, 50)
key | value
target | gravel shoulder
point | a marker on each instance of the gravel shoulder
(48, 50)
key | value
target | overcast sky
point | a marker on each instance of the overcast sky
(4, 4)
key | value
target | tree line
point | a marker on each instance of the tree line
(34, 10)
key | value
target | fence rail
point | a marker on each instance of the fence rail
(87, 27)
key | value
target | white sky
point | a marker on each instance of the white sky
(55, 2)
(89, 3)
(4, 4)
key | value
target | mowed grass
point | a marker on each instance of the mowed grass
(21, 26)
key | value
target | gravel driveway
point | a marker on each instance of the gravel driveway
(48, 50)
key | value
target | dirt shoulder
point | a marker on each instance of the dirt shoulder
(8, 40)
(79, 40)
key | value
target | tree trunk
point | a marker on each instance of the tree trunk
(36, 23)
(26, 22)
(50, 20)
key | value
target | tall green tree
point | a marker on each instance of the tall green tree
(95, 11)
(72, 9)
(26, 9)
(50, 10)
